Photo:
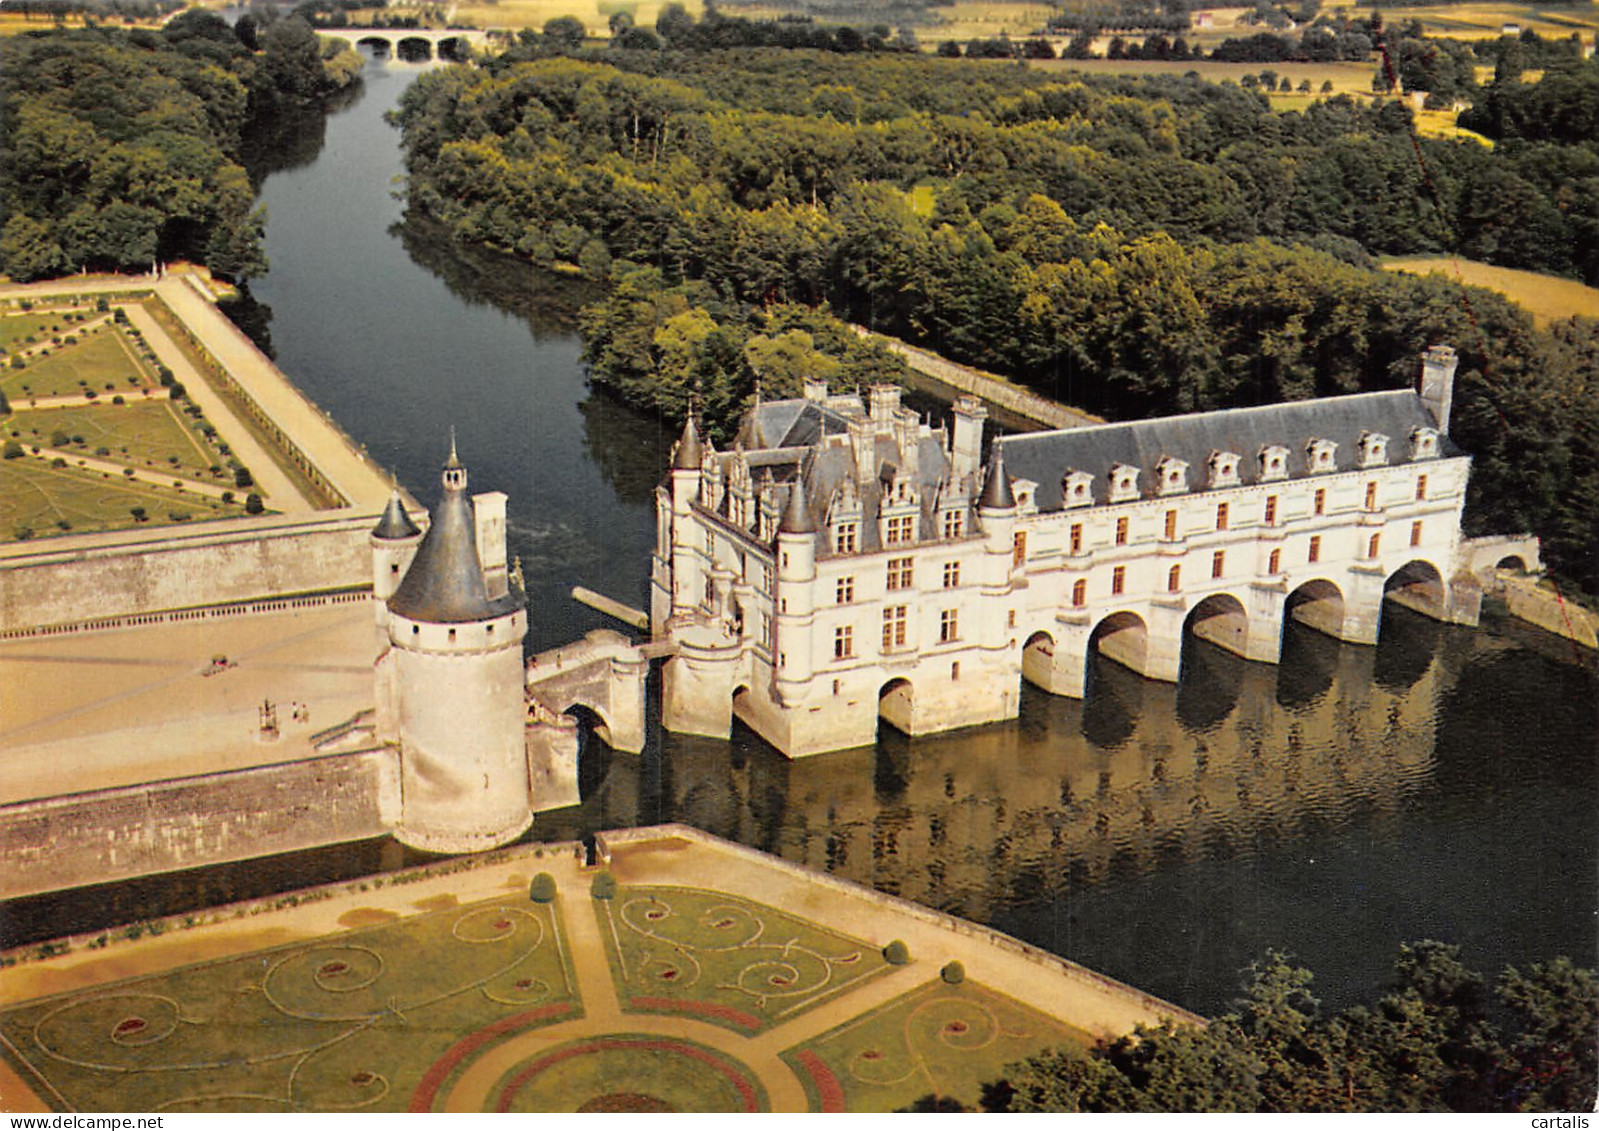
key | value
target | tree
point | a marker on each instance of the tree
(565, 33)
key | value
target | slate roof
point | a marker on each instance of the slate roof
(1045, 457)
(395, 523)
(445, 582)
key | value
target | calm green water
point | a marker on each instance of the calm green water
(1443, 784)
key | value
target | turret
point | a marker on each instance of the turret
(796, 572)
(455, 628)
(1438, 365)
(687, 459)
(687, 560)
(996, 514)
(394, 541)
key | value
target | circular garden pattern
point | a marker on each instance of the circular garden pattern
(628, 1072)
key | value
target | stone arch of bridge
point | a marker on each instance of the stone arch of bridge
(1419, 585)
(896, 699)
(1319, 604)
(1219, 619)
(1123, 638)
(413, 49)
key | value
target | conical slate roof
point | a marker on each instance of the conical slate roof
(997, 494)
(689, 453)
(395, 523)
(445, 582)
(796, 515)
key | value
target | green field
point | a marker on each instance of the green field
(348, 1023)
(940, 1040)
(144, 434)
(101, 359)
(44, 500)
(1546, 297)
(725, 960)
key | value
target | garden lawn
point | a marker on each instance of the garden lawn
(145, 434)
(16, 329)
(45, 500)
(101, 360)
(938, 1040)
(345, 1023)
(725, 960)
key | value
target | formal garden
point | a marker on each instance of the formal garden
(97, 435)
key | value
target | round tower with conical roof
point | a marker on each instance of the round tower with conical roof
(455, 629)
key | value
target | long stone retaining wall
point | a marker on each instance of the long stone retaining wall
(112, 577)
(118, 834)
(1014, 398)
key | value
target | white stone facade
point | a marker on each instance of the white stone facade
(906, 585)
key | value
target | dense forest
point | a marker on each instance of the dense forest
(1439, 1040)
(120, 148)
(1132, 246)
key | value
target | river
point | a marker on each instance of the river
(1441, 785)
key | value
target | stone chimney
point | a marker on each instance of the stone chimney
(966, 446)
(1438, 383)
(816, 390)
(489, 511)
(885, 403)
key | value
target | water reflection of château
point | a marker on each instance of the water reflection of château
(1075, 792)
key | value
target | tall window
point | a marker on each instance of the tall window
(1171, 526)
(1320, 503)
(1174, 579)
(844, 592)
(843, 642)
(1018, 549)
(901, 529)
(1218, 563)
(1274, 564)
(846, 536)
(1271, 510)
(1315, 548)
(952, 574)
(1371, 546)
(1079, 593)
(899, 573)
(1077, 538)
(1415, 533)
(1371, 495)
(893, 628)
(1221, 516)
(949, 625)
(954, 523)
(1121, 532)
(1421, 487)
(1118, 580)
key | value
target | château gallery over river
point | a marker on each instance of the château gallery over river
(1414, 780)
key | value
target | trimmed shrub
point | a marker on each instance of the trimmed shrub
(953, 973)
(603, 887)
(13, 450)
(542, 889)
(243, 478)
(896, 953)
(253, 504)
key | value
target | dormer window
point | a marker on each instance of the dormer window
(1373, 449)
(1224, 469)
(1320, 455)
(1172, 476)
(1424, 443)
(1123, 483)
(1273, 462)
(1077, 489)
